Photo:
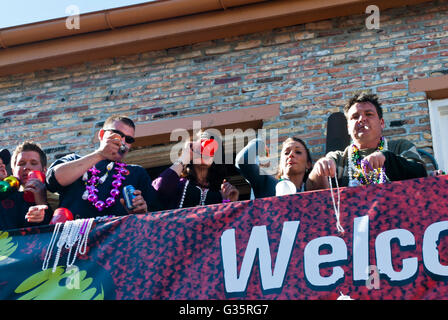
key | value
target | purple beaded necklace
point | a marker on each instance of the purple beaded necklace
(91, 184)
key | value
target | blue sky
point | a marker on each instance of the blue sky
(17, 12)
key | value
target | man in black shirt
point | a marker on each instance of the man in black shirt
(91, 185)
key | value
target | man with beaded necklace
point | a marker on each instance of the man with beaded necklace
(371, 158)
(91, 186)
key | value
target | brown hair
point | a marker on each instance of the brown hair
(364, 96)
(308, 156)
(29, 146)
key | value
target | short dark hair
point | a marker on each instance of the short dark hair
(120, 118)
(29, 146)
(364, 97)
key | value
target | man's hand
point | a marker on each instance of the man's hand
(324, 168)
(36, 214)
(318, 177)
(138, 203)
(109, 147)
(38, 189)
(376, 160)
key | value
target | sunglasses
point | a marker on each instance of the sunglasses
(128, 139)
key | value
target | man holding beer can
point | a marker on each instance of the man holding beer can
(92, 185)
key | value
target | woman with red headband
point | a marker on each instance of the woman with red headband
(195, 179)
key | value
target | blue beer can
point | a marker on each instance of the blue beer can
(128, 195)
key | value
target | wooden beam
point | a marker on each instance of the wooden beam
(157, 132)
(435, 87)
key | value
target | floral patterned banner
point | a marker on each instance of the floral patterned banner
(393, 247)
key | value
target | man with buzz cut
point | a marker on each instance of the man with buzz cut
(371, 158)
(91, 185)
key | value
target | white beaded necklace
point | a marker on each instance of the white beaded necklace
(60, 244)
(184, 192)
(51, 245)
(337, 210)
(73, 232)
(204, 192)
(72, 238)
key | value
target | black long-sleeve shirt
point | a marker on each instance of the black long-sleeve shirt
(13, 209)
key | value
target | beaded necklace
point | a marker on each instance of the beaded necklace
(204, 192)
(74, 234)
(91, 185)
(336, 207)
(9, 183)
(357, 166)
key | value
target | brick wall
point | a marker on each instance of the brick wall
(310, 70)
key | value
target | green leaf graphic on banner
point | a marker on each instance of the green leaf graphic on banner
(60, 285)
(7, 247)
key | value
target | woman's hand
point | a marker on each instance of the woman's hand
(229, 192)
(184, 159)
(187, 153)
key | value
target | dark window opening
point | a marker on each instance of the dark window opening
(232, 176)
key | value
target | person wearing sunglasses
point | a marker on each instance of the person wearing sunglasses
(92, 185)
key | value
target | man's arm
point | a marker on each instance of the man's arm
(318, 177)
(399, 168)
(403, 161)
(68, 172)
